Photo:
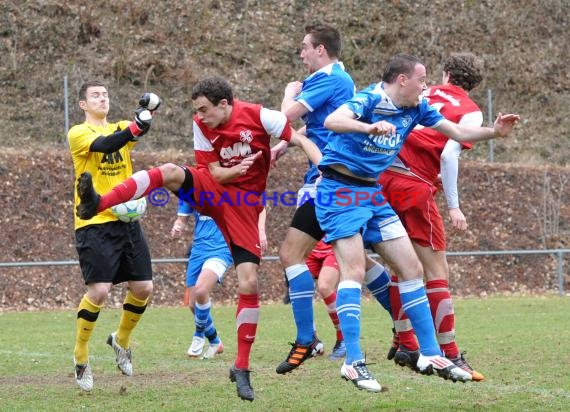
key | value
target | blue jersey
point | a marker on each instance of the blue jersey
(369, 155)
(322, 93)
(207, 236)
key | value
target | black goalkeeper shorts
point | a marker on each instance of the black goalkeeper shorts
(113, 252)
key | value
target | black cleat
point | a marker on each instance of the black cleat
(88, 197)
(406, 357)
(243, 385)
(299, 354)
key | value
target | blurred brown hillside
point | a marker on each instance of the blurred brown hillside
(166, 46)
(519, 202)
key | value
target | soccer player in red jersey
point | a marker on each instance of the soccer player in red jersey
(233, 153)
(412, 183)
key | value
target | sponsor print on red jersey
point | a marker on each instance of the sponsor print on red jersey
(247, 132)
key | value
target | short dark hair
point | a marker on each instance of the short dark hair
(214, 89)
(87, 85)
(328, 36)
(399, 64)
(465, 70)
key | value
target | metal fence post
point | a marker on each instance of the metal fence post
(560, 264)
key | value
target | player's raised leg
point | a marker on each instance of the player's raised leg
(168, 175)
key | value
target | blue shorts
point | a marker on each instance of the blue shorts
(218, 262)
(344, 209)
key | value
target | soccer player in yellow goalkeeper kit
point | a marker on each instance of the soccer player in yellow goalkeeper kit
(110, 251)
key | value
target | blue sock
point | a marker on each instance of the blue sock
(416, 306)
(301, 291)
(202, 319)
(378, 282)
(348, 309)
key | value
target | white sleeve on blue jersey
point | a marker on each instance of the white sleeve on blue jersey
(364, 100)
(273, 121)
(316, 91)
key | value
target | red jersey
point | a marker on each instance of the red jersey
(421, 152)
(248, 131)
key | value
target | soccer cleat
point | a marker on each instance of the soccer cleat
(124, 356)
(460, 361)
(243, 385)
(89, 199)
(394, 347)
(406, 357)
(339, 351)
(83, 376)
(213, 350)
(443, 367)
(299, 354)
(359, 375)
(196, 347)
(318, 348)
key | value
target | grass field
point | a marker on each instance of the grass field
(521, 345)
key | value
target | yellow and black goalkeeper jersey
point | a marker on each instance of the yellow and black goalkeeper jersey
(107, 169)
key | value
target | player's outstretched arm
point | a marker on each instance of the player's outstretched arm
(504, 125)
(310, 149)
(148, 103)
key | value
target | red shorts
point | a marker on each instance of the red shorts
(235, 211)
(317, 260)
(413, 199)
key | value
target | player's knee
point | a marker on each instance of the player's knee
(291, 253)
(201, 295)
(171, 173)
(324, 290)
(247, 285)
(141, 290)
(97, 292)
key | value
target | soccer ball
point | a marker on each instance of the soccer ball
(130, 211)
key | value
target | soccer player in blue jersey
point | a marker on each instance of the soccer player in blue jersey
(209, 259)
(368, 132)
(323, 91)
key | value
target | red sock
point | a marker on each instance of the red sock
(402, 324)
(247, 316)
(330, 301)
(443, 315)
(136, 186)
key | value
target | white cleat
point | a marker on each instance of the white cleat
(123, 356)
(443, 367)
(196, 347)
(83, 376)
(317, 348)
(359, 375)
(213, 350)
